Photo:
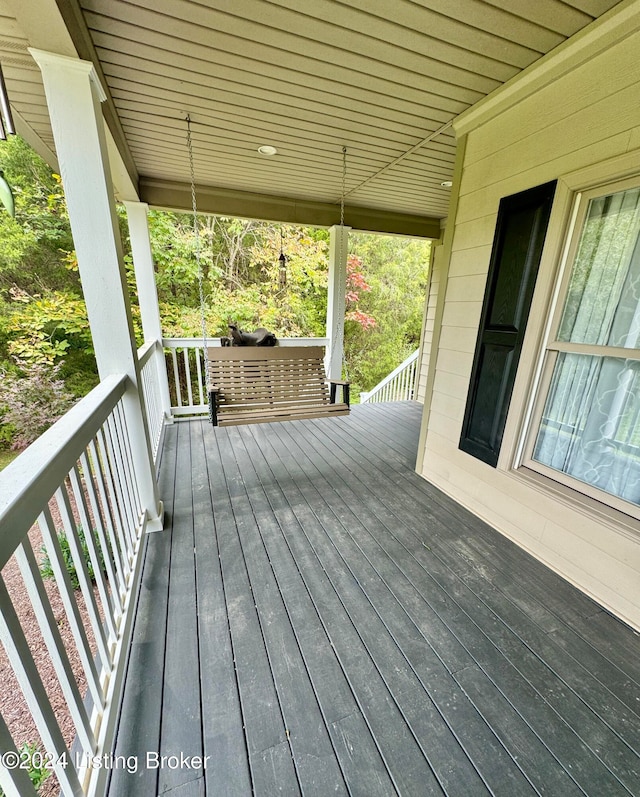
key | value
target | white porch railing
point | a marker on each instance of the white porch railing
(399, 385)
(77, 478)
(187, 374)
(149, 379)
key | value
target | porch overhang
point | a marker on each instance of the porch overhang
(170, 195)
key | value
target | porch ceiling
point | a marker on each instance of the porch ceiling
(385, 79)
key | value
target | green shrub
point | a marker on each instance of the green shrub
(38, 772)
(45, 563)
(7, 434)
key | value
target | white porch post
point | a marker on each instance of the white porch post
(73, 95)
(336, 299)
(147, 292)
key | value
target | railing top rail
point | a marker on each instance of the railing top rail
(188, 343)
(32, 478)
(179, 343)
(145, 351)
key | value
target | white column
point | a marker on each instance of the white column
(74, 95)
(147, 292)
(336, 299)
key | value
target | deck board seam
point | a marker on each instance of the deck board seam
(314, 603)
(326, 720)
(418, 487)
(203, 429)
(251, 752)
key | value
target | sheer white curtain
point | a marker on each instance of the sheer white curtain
(590, 427)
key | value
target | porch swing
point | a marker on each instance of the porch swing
(260, 384)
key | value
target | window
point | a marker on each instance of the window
(587, 426)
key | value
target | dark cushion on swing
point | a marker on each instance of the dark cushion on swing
(259, 337)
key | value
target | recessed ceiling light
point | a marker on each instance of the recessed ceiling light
(446, 183)
(267, 149)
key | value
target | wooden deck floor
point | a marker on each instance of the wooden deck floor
(318, 620)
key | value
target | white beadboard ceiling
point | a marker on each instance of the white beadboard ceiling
(383, 78)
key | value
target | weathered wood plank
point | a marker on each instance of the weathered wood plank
(614, 640)
(181, 700)
(539, 592)
(497, 639)
(518, 612)
(341, 607)
(552, 592)
(544, 772)
(227, 772)
(263, 721)
(334, 695)
(313, 756)
(404, 614)
(139, 723)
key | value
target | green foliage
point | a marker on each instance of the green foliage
(396, 272)
(40, 234)
(43, 319)
(38, 772)
(46, 569)
(46, 326)
(6, 457)
(296, 308)
(29, 753)
(173, 246)
(78, 372)
(7, 434)
(240, 276)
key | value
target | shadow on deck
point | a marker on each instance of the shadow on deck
(317, 619)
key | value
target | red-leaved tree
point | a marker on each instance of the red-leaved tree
(355, 284)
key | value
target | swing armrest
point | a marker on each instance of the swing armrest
(333, 386)
(213, 392)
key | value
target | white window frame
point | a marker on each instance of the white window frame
(552, 348)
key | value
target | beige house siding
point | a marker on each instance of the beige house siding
(428, 324)
(581, 128)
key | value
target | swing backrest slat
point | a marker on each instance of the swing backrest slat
(255, 384)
